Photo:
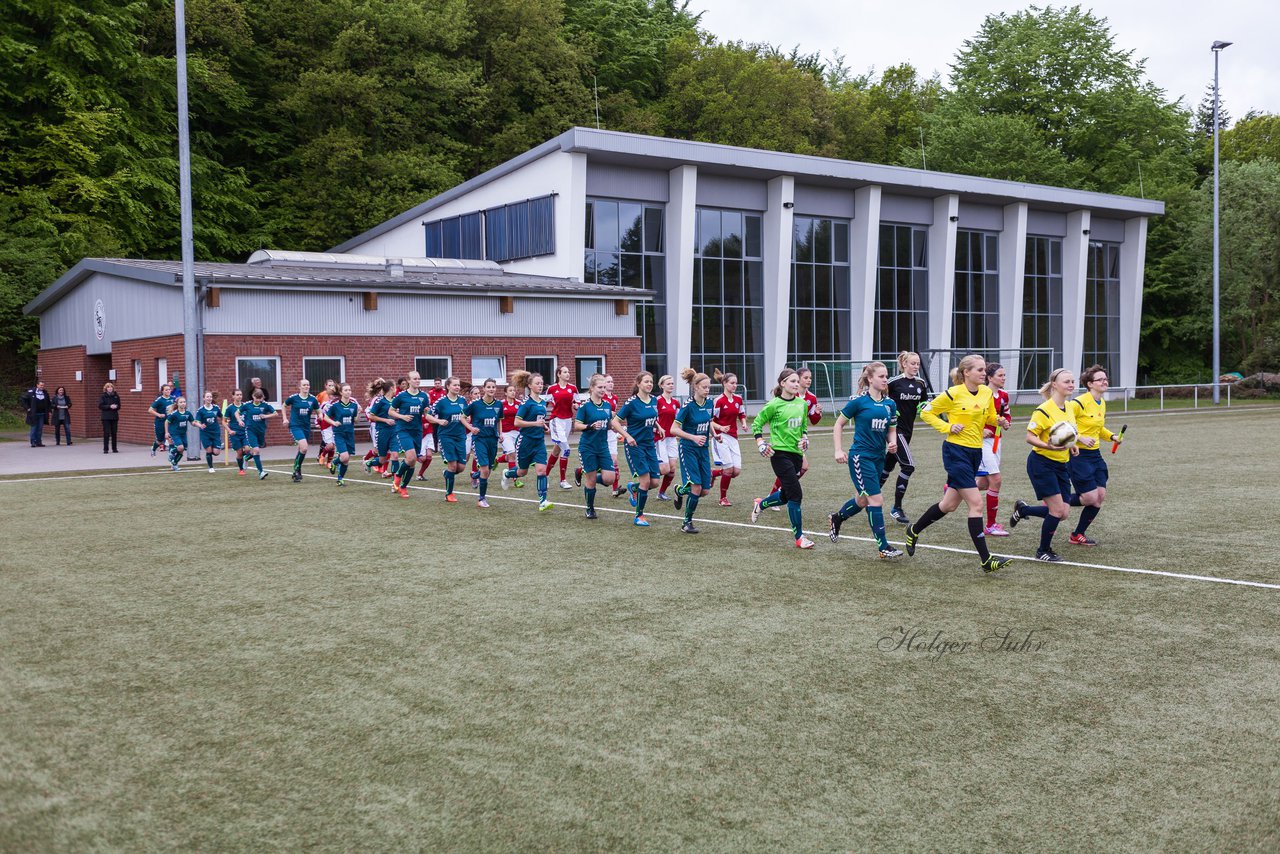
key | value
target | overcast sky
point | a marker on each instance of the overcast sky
(1172, 35)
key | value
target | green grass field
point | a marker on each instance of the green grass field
(210, 662)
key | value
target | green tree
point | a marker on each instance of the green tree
(1255, 136)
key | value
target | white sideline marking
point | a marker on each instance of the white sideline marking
(704, 521)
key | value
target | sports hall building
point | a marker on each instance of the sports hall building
(608, 251)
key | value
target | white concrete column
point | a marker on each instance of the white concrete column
(680, 221)
(1013, 264)
(778, 219)
(1075, 269)
(863, 266)
(942, 269)
(571, 219)
(1133, 253)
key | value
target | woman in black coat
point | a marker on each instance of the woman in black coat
(109, 404)
(61, 409)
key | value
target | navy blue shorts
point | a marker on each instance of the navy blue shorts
(486, 451)
(962, 465)
(211, 438)
(1048, 477)
(386, 438)
(1088, 470)
(453, 448)
(530, 452)
(695, 465)
(407, 441)
(255, 438)
(236, 441)
(643, 459)
(160, 424)
(344, 441)
(299, 434)
(864, 471)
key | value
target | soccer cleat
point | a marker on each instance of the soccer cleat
(1017, 513)
(591, 514)
(1081, 540)
(404, 492)
(996, 530)
(153, 450)
(993, 563)
(386, 473)
(640, 522)
(482, 503)
(912, 539)
(519, 483)
(451, 498)
(544, 505)
(341, 482)
(368, 466)
(835, 522)
(297, 477)
(687, 528)
(175, 466)
(898, 516)
(262, 475)
(213, 470)
(755, 509)
(777, 508)
(564, 484)
(422, 477)
(631, 493)
(890, 553)
(240, 473)
(1049, 556)
(804, 543)
(333, 468)
(662, 496)
(506, 482)
(577, 476)
(724, 502)
(678, 502)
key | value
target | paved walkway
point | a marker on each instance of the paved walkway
(17, 457)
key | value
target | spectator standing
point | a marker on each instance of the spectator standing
(61, 410)
(109, 406)
(36, 403)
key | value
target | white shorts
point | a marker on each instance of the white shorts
(373, 433)
(470, 444)
(613, 446)
(668, 449)
(560, 430)
(428, 443)
(326, 435)
(509, 443)
(726, 452)
(990, 459)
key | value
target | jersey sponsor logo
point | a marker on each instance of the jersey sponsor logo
(794, 423)
(880, 424)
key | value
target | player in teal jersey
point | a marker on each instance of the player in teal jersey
(595, 418)
(787, 417)
(484, 422)
(382, 427)
(159, 410)
(449, 415)
(341, 415)
(255, 415)
(407, 408)
(297, 412)
(531, 446)
(235, 429)
(209, 417)
(875, 432)
(177, 421)
(640, 413)
(694, 425)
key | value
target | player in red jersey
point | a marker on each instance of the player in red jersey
(668, 446)
(814, 409)
(730, 412)
(989, 471)
(510, 433)
(564, 397)
(427, 453)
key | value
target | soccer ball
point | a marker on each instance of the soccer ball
(1062, 434)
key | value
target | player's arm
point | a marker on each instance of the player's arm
(933, 411)
(1039, 424)
(837, 438)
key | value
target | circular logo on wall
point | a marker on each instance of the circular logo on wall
(99, 320)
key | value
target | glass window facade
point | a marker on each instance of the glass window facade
(1102, 307)
(975, 319)
(625, 246)
(1042, 307)
(728, 297)
(902, 292)
(820, 315)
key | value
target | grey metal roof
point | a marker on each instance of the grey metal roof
(293, 277)
(657, 152)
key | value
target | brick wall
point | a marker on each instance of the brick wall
(135, 423)
(58, 368)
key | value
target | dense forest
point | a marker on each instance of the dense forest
(312, 121)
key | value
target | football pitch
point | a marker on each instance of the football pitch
(211, 662)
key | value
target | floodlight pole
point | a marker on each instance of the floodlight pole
(190, 356)
(1217, 48)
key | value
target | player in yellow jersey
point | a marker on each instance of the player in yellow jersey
(1088, 469)
(960, 413)
(1047, 465)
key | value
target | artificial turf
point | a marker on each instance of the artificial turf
(218, 663)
